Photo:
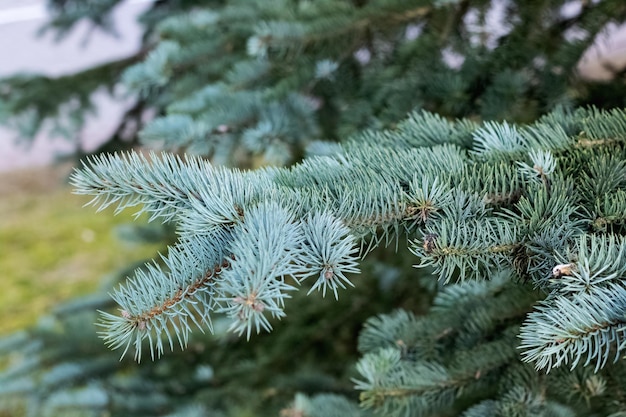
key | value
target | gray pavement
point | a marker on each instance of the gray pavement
(22, 51)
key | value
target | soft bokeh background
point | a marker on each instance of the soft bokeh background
(50, 247)
(20, 20)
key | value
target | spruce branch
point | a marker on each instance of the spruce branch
(268, 248)
(164, 186)
(278, 226)
(498, 183)
(470, 247)
(610, 211)
(512, 218)
(283, 35)
(597, 261)
(159, 299)
(130, 179)
(395, 386)
(519, 401)
(329, 252)
(385, 384)
(426, 200)
(599, 127)
(323, 405)
(493, 139)
(64, 102)
(588, 327)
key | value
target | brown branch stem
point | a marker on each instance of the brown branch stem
(182, 293)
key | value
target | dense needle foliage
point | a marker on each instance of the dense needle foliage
(378, 136)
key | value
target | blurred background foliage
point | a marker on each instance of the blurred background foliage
(53, 248)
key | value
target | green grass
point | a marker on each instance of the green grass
(52, 249)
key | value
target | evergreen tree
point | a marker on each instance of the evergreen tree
(232, 77)
(518, 228)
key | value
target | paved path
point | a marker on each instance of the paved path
(21, 50)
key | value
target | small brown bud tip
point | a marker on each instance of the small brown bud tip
(258, 306)
(429, 242)
(141, 325)
(328, 274)
(125, 314)
(562, 269)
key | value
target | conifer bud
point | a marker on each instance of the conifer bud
(429, 242)
(562, 269)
